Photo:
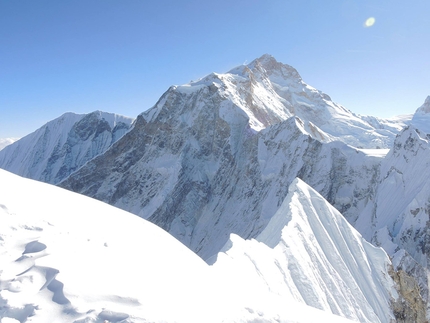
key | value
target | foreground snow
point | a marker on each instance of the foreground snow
(69, 258)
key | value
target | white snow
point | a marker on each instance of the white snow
(69, 258)
(310, 254)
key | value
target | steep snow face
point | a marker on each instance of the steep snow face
(68, 258)
(421, 118)
(402, 197)
(309, 253)
(398, 218)
(6, 142)
(57, 149)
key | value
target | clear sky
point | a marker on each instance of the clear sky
(122, 55)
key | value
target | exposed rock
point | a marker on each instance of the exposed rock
(410, 306)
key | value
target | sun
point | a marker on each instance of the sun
(369, 22)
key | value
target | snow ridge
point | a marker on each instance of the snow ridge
(310, 254)
(60, 147)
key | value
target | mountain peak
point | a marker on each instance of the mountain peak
(421, 117)
(425, 108)
(270, 66)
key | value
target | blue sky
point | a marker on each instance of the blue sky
(121, 55)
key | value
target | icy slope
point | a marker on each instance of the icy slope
(309, 253)
(60, 147)
(69, 258)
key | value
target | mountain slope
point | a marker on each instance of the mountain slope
(309, 253)
(213, 178)
(200, 165)
(60, 147)
(269, 91)
(69, 258)
(398, 217)
(421, 117)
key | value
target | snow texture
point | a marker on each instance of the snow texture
(69, 258)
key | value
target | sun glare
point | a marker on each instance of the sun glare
(369, 22)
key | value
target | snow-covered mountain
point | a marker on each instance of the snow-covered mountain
(421, 118)
(6, 142)
(216, 156)
(61, 146)
(269, 92)
(69, 258)
(398, 217)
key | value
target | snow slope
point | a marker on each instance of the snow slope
(309, 253)
(61, 146)
(69, 258)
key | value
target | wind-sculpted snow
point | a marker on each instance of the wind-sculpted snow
(68, 258)
(63, 145)
(309, 253)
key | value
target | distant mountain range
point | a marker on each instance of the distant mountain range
(63, 145)
(221, 155)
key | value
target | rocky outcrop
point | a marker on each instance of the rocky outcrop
(410, 306)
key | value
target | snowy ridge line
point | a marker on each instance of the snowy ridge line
(59, 250)
(61, 146)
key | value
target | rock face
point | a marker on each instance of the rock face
(409, 307)
(60, 147)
